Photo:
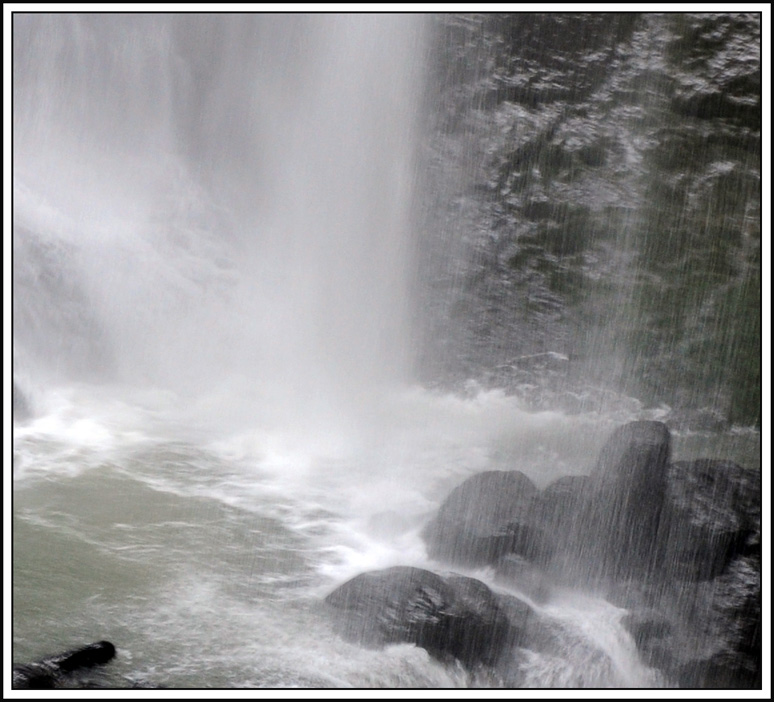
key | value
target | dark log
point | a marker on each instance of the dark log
(47, 672)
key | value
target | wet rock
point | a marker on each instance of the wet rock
(647, 626)
(701, 634)
(723, 644)
(579, 136)
(677, 545)
(520, 616)
(712, 515)
(49, 672)
(715, 81)
(708, 419)
(485, 518)
(629, 486)
(563, 496)
(486, 627)
(652, 633)
(556, 653)
(634, 461)
(516, 572)
(561, 510)
(455, 617)
(541, 46)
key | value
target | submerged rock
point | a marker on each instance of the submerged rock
(455, 617)
(48, 672)
(486, 518)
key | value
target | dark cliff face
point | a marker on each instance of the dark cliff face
(596, 193)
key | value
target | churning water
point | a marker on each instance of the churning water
(217, 421)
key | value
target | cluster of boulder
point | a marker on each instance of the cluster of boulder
(676, 545)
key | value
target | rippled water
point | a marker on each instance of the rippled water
(206, 559)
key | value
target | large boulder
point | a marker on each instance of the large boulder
(700, 622)
(712, 533)
(561, 509)
(723, 647)
(633, 465)
(561, 499)
(712, 515)
(455, 617)
(676, 545)
(703, 634)
(629, 487)
(486, 518)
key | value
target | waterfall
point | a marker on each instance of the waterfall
(203, 199)
(283, 282)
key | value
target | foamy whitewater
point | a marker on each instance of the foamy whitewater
(212, 352)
